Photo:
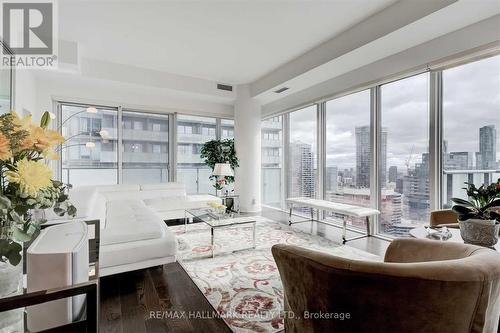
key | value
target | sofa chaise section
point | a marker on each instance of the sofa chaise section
(133, 232)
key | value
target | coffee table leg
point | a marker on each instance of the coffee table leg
(212, 241)
(254, 227)
(344, 227)
(185, 222)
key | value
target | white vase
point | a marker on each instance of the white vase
(11, 283)
(479, 232)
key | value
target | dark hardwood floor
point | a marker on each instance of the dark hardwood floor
(130, 302)
(140, 301)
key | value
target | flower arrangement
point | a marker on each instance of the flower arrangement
(26, 182)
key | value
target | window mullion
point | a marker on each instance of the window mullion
(375, 152)
(119, 148)
(435, 139)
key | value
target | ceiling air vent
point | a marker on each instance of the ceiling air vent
(224, 87)
(280, 90)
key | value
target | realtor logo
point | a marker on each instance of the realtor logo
(28, 32)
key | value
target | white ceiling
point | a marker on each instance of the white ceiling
(226, 41)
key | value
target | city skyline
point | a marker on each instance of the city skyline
(468, 102)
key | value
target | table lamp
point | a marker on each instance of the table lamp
(221, 170)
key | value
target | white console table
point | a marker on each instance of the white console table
(345, 210)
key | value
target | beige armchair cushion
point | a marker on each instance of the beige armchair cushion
(423, 286)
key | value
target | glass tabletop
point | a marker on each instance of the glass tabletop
(214, 218)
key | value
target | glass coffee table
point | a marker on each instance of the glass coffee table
(216, 220)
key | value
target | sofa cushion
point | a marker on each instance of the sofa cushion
(120, 195)
(151, 191)
(130, 232)
(133, 252)
(166, 203)
(130, 221)
(83, 198)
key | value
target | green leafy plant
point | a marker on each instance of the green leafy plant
(220, 151)
(483, 203)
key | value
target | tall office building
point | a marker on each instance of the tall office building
(393, 174)
(301, 177)
(458, 160)
(272, 150)
(331, 181)
(363, 157)
(416, 194)
(487, 147)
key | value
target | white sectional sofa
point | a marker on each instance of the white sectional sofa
(133, 233)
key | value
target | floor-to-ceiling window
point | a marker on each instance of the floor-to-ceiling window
(470, 106)
(347, 149)
(302, 154)
(145, 147)
(89, 155)
(272, 161)
(471, 119)
(227, 129)
(192, 133)
(404, 156)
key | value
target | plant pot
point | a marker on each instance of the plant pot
(479, 232)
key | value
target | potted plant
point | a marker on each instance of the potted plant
(479, 217)
(220, 151)
(26, 188)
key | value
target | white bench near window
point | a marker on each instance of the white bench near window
(339, 208)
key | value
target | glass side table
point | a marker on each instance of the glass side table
(89, 323)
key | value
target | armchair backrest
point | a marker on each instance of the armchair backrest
(443, 216)
(456, 294)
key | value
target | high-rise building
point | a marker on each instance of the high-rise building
(363, 160)
(487, 147)
(272, 154)
(393, 174)
(416, 191)
(301, 166)
(331, 181)
(458, 160)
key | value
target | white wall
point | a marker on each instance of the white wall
(74, 88)
(25, 93)
(247, 141)
(482, 35)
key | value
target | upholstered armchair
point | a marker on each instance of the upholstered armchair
(422, 286)
(445, 217)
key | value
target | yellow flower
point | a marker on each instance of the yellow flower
(23, 123)
(31, 176)
(50, 154)
(44, 139)
(5, 152)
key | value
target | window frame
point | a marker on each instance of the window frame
(435, 123)
(172, 133)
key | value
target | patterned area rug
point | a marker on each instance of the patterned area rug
(244, 287)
